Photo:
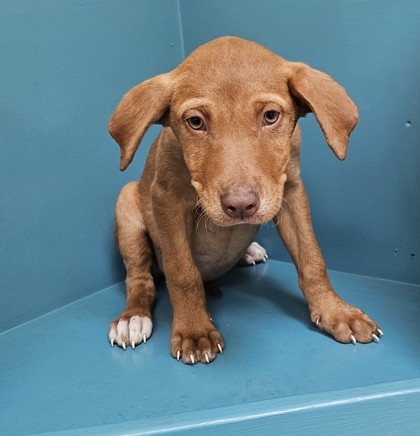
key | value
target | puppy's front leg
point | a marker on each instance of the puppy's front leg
(194, 337)
(328, 311)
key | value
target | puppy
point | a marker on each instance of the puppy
(226, 161)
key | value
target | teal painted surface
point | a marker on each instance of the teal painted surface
(348, 412)
(366, 210)
(64, 67)
(59, 372)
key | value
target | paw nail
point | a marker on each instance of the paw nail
(112, 342)
(317, 322)
(207, 357)
(353, 339)
(381, 333)
(144, 338)
(133, 345)
(220, 348)
(192, 359)
(253, 263)
(123, 345)
(375, 338)
(178, 355)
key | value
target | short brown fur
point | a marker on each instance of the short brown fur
(204, 192)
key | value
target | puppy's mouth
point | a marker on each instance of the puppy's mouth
(222, 221)
(235, 204)
(230, 215)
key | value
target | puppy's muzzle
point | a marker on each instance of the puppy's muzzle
(240, 203)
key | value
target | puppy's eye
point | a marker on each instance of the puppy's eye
(196, 123)
(270, 117)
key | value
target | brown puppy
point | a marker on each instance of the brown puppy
(226, 161)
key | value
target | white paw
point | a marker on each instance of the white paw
(132, 332)
(254, 254)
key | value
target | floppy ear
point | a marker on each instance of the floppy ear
(319, 93)
(143, 105)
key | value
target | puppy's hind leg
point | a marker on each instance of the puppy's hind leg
(134, 325)
(254, 254)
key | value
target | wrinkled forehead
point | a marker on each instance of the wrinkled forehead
(231, 75)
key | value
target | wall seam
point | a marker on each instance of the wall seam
(181, 29)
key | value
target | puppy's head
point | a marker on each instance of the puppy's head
(233, 105)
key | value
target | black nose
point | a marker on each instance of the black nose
(240, 203)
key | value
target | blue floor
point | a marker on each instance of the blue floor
(277, 374)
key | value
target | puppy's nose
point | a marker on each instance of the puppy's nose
(240, 203)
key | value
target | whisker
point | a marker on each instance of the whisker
(276, 218)
(288, 203)
(275, 214)
(201, 214)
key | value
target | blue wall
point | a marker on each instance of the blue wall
(366, 211)
(64, 67)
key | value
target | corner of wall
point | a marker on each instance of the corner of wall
(181, 29)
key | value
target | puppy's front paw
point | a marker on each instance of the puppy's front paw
(196, 345)
(130, 329)
(346, 323)
(253, 255)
